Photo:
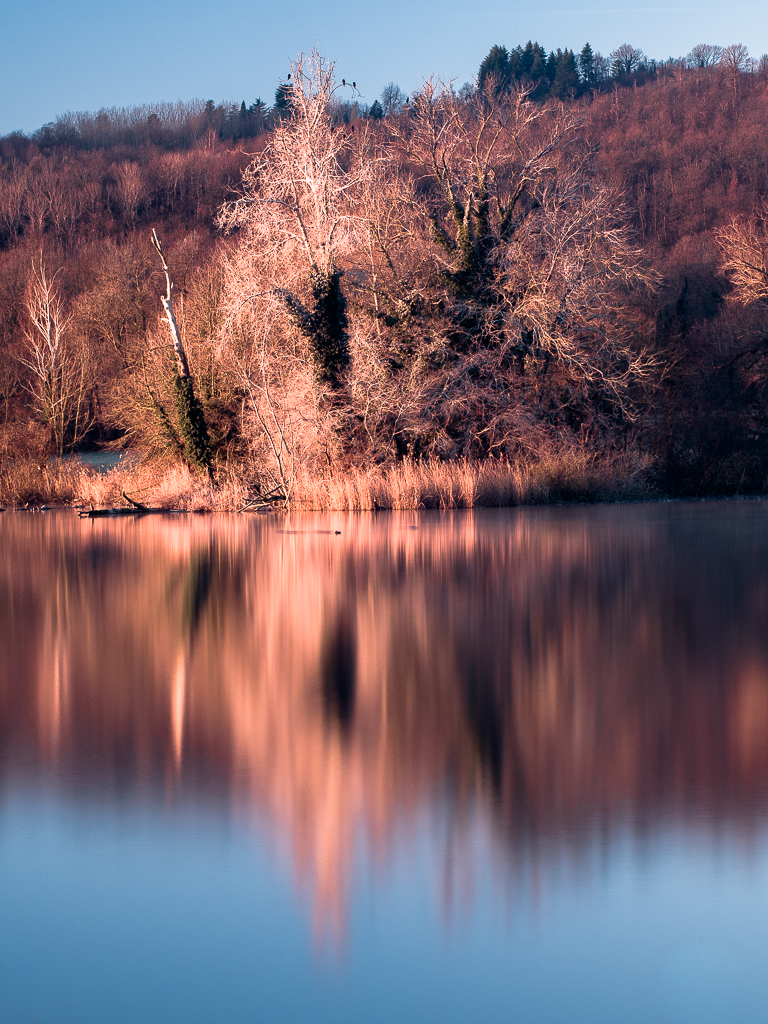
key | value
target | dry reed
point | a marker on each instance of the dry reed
(407, 485)
(465, 484)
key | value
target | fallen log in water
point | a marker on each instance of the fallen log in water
(97, 513)
(137, 509)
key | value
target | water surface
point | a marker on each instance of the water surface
(509, 766)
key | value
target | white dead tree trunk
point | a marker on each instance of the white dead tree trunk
(167, 300)
(191, 418)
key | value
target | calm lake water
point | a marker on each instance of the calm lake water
(503, 766)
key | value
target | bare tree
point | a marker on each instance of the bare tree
(131, 188)
(58, 375)
(275, 395)
(486, 282)
(704, 55)
(12, 189)
(392, 98)
(299, 224)
(37, 199)
(516, 279)
(625, 59)
(537, 254)
(744, 245)
(734, 63)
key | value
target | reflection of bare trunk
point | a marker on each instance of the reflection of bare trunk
(53, 677)
(178, 704)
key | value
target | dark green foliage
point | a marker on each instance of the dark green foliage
(245, 123)
(587, 64)
(470, 247)
(376, 110)
(463, 281)
(193, 429)
(441, 236)
(495, 73)
(566, 80)
(556, 74)
(550, 68)
(325, 325)
(534, 61)
(167, 428)
(283, 98)
(330, 346)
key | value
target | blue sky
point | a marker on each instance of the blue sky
(83, 55)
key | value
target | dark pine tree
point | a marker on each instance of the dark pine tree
(538, 62)
(283, 96)
(515, 64)
(566, 81)
(587, 65)
(495, 72)
(550, 68)
(528, 59)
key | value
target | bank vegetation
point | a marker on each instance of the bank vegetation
(496, 295)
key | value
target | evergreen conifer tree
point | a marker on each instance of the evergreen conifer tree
(538, 62)
(566, 80)
(515, 65)
(283, 97)
(550, 68)
(527, 59)
(587, 64)
(495, 71)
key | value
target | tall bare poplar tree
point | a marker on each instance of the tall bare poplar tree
(57, 371)
(286, 312)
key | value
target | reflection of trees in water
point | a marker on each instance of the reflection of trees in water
(338, 671)
(551, 669)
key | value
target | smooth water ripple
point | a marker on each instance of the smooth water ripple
(499, 766)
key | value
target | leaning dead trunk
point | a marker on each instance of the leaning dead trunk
(193, 429)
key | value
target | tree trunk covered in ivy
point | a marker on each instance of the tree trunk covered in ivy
(324, 325)
(193, 430)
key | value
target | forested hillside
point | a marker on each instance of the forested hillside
(564, 260)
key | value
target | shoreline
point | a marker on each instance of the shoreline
(568, 479)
